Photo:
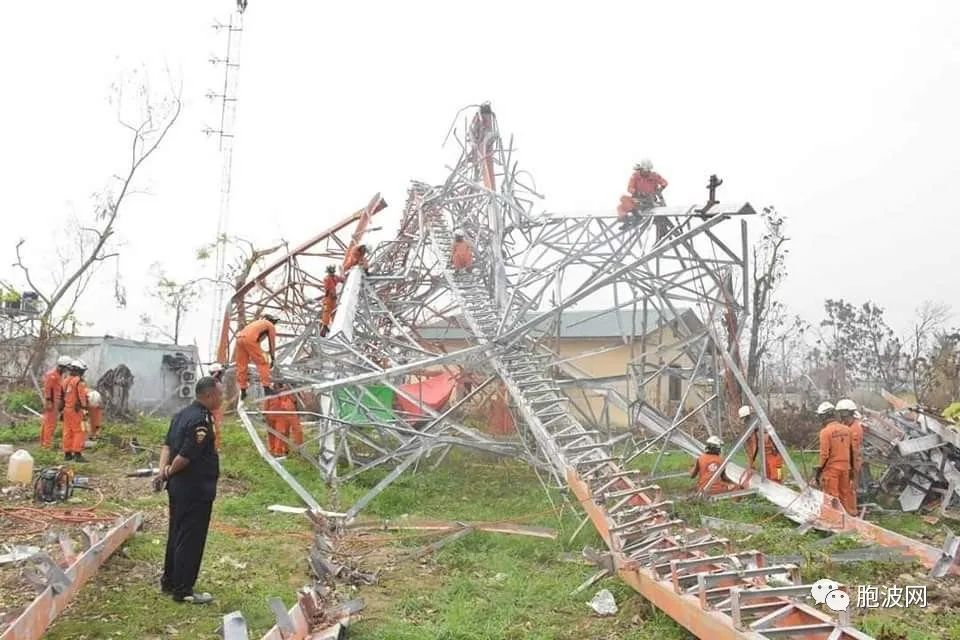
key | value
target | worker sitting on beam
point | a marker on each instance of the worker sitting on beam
(706, 467)
(645, 189)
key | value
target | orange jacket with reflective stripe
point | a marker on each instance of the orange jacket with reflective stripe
(835, 447)
(257, 329)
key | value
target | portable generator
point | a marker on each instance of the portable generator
(53, 484)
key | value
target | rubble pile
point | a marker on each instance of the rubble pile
(919, 454)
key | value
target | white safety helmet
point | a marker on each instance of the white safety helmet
(825, 408)
(646, 165)
(714, 441)
(64, 361)
(216, 367)
(93, 398)
(745, 411)
(78, 364)
(846, 405)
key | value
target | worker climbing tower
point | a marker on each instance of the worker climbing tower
(226, 97)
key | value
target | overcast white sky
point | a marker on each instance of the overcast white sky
(842, 114)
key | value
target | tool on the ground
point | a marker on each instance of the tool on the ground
(53, 484)
(147, 472)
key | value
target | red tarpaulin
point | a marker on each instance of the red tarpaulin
(433, 392)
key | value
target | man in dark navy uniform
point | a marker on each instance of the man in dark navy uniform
(191, 479)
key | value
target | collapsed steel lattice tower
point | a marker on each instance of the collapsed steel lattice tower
(676, 268)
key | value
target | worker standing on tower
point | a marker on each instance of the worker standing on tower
(52, 391)
(248, 349)
(74, 403)
(330, 283)
(847, 412)
(836, 457)
(461, 255)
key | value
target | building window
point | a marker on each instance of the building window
(675, 391)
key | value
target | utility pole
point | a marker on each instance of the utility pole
(225, 134)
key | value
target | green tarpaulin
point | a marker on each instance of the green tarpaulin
(364, 405)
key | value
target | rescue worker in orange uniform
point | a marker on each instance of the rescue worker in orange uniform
(281, 417)
(836, 457)
(74, 402)
(216, 372)
(52, 391)
(287, 422)
(461, 255)
(356, 256)
(248, 349)
(644, 187)
(707, 464)
(847, 412)
(330, 283)
(275, 445)
(773, 461)
(95, 411)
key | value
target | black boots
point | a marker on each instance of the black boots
(268, 391)
(243, 394)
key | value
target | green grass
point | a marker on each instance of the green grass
(484, 586)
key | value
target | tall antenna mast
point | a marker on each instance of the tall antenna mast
(225, 136)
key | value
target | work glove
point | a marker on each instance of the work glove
(851, 474)
(817, 472)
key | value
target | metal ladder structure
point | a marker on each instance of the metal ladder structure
(692, 575)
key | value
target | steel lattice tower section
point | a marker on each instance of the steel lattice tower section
(530, 270)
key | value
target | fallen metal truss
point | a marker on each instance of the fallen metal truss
(664, 284)
(58, 585)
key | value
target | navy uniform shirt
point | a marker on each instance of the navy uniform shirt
(191, 435)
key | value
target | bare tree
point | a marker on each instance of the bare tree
(176, 299)
(928, 324)
(148, 119)
(769, 269)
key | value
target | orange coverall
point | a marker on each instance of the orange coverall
(287, 425)
(836, 458)
(96, 420)
(704, 468)
(52, 388)
(645, 183)
(329, 298)
(462, 255)
(354, 258)
(248, 349)
(74, 406)
(772, 457)
(856, 442)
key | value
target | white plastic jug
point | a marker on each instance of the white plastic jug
(21, 468)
